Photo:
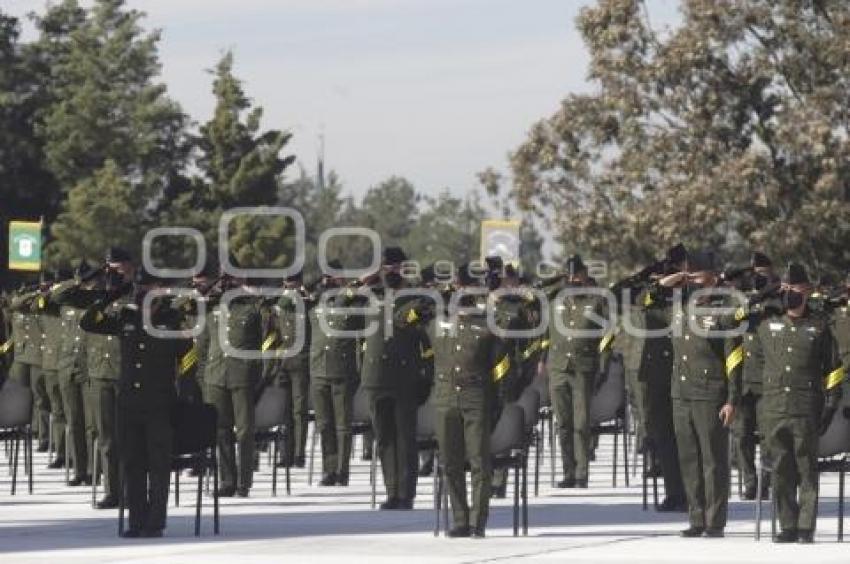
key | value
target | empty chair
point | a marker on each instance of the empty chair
(16, 402)
(608, 412)
(270, 425)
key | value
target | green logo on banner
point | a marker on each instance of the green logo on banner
(25, 245)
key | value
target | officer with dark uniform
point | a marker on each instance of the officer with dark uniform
(705, 387)
(577, 342)
(801, 391)
(28, 340)
(5, 337)
(748, 415)
(290, 322)
(51, 326)
(469, 360)
(841, 323)
(230, 382)
(70, 296)
(146, 398)
(334, 373)
(390, 375)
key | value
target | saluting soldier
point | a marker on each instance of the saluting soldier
(146, 398)
(705, 388)
(469, 361)
(574, 359)
(28, 340)
(801, 391)
(334, 373)
(841, 323)
(51, 327)
(230, 381)
(6, 350)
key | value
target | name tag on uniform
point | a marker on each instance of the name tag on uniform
(129, 327)
(775, 326)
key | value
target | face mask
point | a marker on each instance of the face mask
(759, 281)
(392, 279)
(792, 299)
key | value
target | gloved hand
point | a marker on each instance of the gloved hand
(826, 419)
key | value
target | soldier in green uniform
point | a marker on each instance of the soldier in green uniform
(28, 341)
(146, 398)
(230, 382)
(705, 387)
(6, 351)
(469, 361)
(72, 297)
(841, 323)
(292, 373)
(334, 374)
(801, 391)
(51, 326)
(390, 375)
(573, 362)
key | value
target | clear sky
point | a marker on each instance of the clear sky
(433, 90)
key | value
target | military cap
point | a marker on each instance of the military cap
(760, 260)
(701, 261)
(796, 274)
(393, 256)
(575, 265)
(117, 254)
(494, 262)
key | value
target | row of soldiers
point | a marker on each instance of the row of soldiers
(83, 347)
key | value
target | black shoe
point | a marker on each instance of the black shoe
(500, 492)
(227, 491)
(56, 464)
(749, 493)
(786, 536)
(460, 532)
(581, 484)
(108, 502)
(672, 505)
(391, 503)
(152, 533)
(299, 462)
(765, 492)
(566, 483)
(192, 472)
(328, 480)
(805, 537)
(284, 463)
(405, 505)
(242, 492)
(477, 533)
(131, 534)
(42, 447)
(342, 481)
(692, 532)
(367, 455)
(426, 469)
(714, 533)
(79, 481)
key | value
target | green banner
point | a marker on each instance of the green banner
(25, 245)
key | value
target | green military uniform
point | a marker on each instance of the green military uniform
(802, 376)
(573, 363)
(841, 332)
(292, 373)
(469, 361)
(6, 349)
(230, 385)
(706, 375)
(74, 377)
(51, 327)
(28, 340)
(333, 371)
(146, 398)
(391, 374)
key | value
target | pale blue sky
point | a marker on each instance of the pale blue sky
(433, 90)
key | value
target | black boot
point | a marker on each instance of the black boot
(786, 536)
(692, 532)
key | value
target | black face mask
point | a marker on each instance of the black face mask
(792, 299)
(113, 279)
(760, 281)
(392, 279)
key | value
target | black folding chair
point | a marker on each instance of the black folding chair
(508, 449)
(608, 412)
(545, 420)
(833, 449)
(270, 424)
(194, 448)
(529, 401)
(16, 403)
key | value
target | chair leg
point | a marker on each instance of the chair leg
(122, 498)
(373, 474)
(28, 456)
(273, 450)
(67, 431)
(198, 500)
(215, 492)
(525, 496)
(516, 500)
(538, 446)
(437, 495)
(15, 450)
(177, 488)
(552, 445)
(759, 481)
(626, 452)
(644, 485)
(445, 492)
(841, 503)
(312, 455)
(95, 472)
(614, 465)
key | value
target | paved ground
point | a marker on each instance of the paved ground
(600, 524)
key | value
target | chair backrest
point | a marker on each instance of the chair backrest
(15, 405)
(836, 440)
(361, 410)
(541, 384)
(194, 427)
(529, 401)
(610, 399)
(509, 433)
(426, 421)
(270, 410)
